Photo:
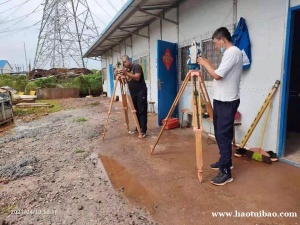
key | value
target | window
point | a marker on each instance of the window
(183, 62)
(104, 74)
(137, 61)
(208, 51)
(144, 62)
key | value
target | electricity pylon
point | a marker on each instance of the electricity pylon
(67, 30)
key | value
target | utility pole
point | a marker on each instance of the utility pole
(25, 56)
(67, 30)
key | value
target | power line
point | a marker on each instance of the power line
(6, 2)
(6, 10)
(21, 17)
(19, 6)
(99, 19)
(112, 5)
(67, 29)
(102, 8)
(20, 29)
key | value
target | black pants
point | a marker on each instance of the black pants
(141, 106)
(224, 113)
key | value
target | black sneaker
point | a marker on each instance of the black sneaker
(273, 156)
(240, 152)
(222, 179)
(215, 166)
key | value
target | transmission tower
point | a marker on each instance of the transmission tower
(67, 30)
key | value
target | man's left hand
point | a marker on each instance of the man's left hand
(125, 71)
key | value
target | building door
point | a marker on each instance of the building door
(290, 146)
(111, 79)
(166, 78)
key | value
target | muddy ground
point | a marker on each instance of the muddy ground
(50, 173)
(51, 166)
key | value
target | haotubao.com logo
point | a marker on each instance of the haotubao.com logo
(261, 213)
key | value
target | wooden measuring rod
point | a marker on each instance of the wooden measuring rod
(265, 105)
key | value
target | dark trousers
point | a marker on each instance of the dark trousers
(141, 106)
(224, 113)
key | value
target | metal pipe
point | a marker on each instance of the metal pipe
(234, 14)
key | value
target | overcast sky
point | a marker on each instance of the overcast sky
(17, 26)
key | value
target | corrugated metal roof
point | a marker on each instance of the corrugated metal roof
(3, 63)
(134, 15)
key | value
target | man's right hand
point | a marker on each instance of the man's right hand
(120, 76)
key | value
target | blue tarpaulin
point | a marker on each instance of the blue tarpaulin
(240, 39)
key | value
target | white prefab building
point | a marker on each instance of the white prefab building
(5, 68)
(148, 31)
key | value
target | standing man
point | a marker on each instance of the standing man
(138, 91)
(226, 100)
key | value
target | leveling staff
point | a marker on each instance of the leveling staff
(226, 88)
(138, 91)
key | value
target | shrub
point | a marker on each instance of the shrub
(87, 84)
(16, 82)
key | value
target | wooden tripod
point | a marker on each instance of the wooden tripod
(195, 76)
(126, 98)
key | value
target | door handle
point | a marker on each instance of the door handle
(159, 83)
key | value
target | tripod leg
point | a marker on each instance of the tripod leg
(172, 109)
(109, 110)
(125, 105)
(198, 127)
(131, 106)
(206, 97)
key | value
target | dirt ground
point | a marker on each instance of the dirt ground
(50, 173)
(66, 183)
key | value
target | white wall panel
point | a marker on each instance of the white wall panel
(266, 21)
(154, 36)
(170, 30)
(294, 3)
(140, 45)
(266, 25)
(199, 17)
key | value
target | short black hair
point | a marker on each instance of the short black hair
(125, 57)
(222, 32)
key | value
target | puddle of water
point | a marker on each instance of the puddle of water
(121, 179)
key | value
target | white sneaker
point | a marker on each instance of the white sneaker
(132, 132)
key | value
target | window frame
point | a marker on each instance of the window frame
(212, 56)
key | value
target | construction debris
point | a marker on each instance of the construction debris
(30, 105)
(6, 111)
(58, 72)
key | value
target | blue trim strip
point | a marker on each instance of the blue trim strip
(294, 8)
(289, 162)
(284, 86)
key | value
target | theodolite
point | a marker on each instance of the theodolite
(194, 52)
